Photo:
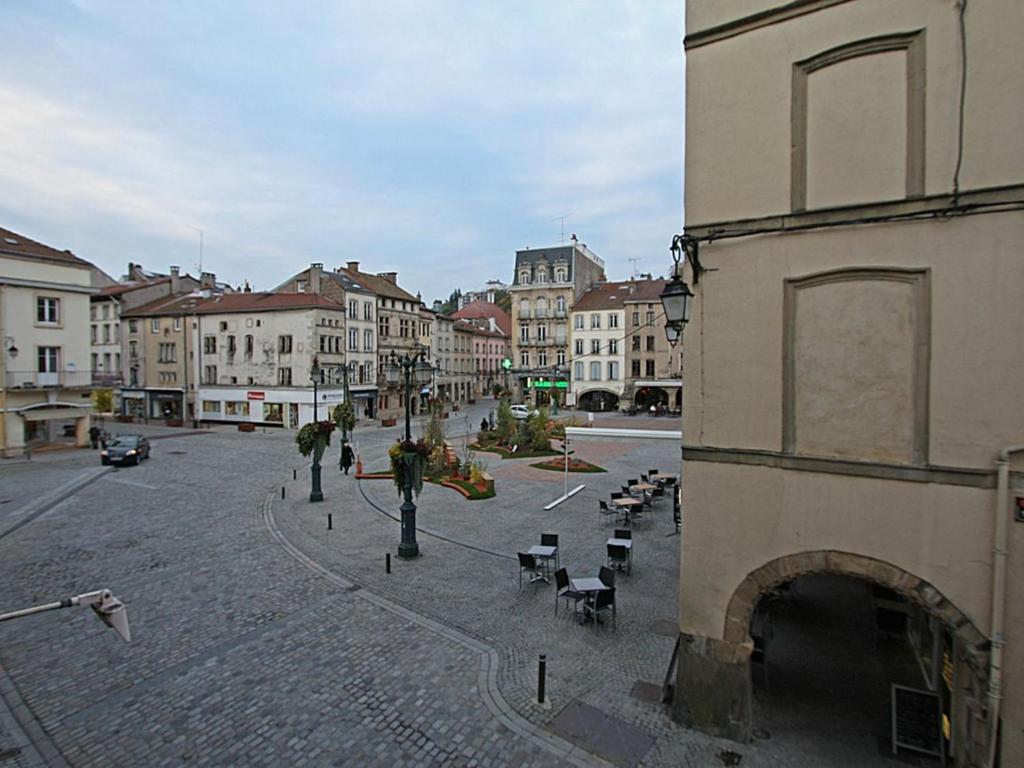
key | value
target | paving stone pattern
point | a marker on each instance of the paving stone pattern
(262, 638)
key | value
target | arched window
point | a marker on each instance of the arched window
(524, 277)
(560, 304)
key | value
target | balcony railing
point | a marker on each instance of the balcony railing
(102, 379)
(540, 313)
(53, 379)
(560, 313)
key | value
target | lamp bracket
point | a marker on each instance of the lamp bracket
(688, 247)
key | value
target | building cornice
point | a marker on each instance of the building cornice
(47, 285)
(754, 21)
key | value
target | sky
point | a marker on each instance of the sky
(429, 138)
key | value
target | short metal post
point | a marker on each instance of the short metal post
(330, 522)
(295, 474)
(542, 668)
(282, 491)
(387, 563)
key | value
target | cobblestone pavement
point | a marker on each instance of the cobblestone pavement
(262, 638)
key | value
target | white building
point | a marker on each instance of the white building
(256, 351)
(598, 333)
(45, 380)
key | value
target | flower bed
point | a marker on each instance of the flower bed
(575, 465)
(466, 488)
(506, 453)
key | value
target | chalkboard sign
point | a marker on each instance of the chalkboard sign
(916, 720)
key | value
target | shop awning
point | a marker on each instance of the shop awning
(46, 414)
(666, 384)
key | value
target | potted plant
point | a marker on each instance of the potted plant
(408, 460)
(314, 438)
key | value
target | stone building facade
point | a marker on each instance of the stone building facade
(853, 364)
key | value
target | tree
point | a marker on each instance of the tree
(452, 305)
(103, 400)
(503, 299)
(537, 430)
(506, 424)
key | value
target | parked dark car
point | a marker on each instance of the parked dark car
(125, 449)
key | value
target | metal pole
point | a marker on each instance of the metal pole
(408, 548)
(542, 668)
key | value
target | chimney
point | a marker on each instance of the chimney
(391, 277)
(315, 271)
(207, 281)
(175, 280)
(352, 266)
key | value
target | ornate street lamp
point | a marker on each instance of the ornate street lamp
(677, 300)
(317, 493)
(346, 370)
(409, 370)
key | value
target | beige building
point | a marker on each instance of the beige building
(653, 368)
(45, 380)
(546, 283)
(853, 368)
(599, 340)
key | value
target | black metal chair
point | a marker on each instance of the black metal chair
(607, 576)
(643, 478)
(657, 494)
(530, 564)
(623, 533)
(617, 495)
(550, 540)
(632, 481)
(603, 602)
(618, 558)
(607, 512)
(564, 591)
(653, 472)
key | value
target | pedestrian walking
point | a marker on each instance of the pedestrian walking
(347, 457)
(94, 436)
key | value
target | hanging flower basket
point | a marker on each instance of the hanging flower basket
(408, 460)
(314, 438)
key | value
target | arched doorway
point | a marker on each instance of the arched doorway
(645, 397)
(598, 400)
(837, 637)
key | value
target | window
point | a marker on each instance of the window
(209, 345)
(650, 343)
(613, 320)
(177, 323)
(248, 346)
(92, 335)
(578, 371)
(47, 309)
(613, 347)
(560, 275)
(117, 334)
(210, 374)
(595, 320)
(106, 334)
(595, 371)
(524, 359)
(560, 301)
(367, 310)
(95, 361)
(524, 308)
(595, 346)
(542, 275)
(106, 311)
(284, 344)
(232, 348)
(133, 326)
(403, 328)
(94, 312)
(636, 343)
(154, 325)
(542, 358)
(542, 333)
(133, 349)
(211, 406)
(117, 361)
(353, 339)
(353, 308)
(273, 412)
(577, 347)
(650, 318)
(559, 357)
(236, 408)
(524, 334)
(367, 340)
(577, 322)
(284, 377)
(636, 368)
(613, 371)
(384, 326)
(524, 277)
(167, 353)
(636, 318)
(649, 368)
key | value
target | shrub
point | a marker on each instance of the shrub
(506, 426)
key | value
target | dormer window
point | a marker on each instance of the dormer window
(542, 275)
(524, 277)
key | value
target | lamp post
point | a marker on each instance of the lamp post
(677, 300)
(316, 494)
(346, 369)
(408, 370)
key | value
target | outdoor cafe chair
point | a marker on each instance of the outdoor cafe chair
(631, 482)
(617, 495)
(563, 591)
(603, 602)
(607, 512)
(531, 565)
(653, 472)
(618, 557)
(550, 540)
(656, 494)
(644, 478)
(607, 576)
(623, 533)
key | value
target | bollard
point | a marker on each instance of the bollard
(330, 522)
(282, 491)
(295, 475)
(542, 668)
(387, 563)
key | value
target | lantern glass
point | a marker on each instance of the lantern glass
(676, 299)
(424, 372)
(392, 373)
(672, 334)
(314, 370)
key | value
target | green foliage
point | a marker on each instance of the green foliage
(538, 433)
(103, 400)
(315, 436)
(503, 299)
(408, 461)
(506, 423)
(344, 416)
(452, 305)
(433, 431)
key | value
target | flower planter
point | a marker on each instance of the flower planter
(125, 419)
(174, 423)
(246, 427)
(388, 422)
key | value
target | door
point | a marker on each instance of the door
(48, 367)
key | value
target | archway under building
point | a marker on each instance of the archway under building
(645, 397)
(837, 637)
(597, 400)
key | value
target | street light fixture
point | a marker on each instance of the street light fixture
(677, 298)
(102, 601)
(9, 345)
(346, 371)
(316, 494)
(410, 370)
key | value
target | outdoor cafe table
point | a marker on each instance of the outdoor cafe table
(589, 587)
(643, 486)
(627, 505)
(543, 553)
(627, 543)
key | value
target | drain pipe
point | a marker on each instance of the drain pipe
(995, 665)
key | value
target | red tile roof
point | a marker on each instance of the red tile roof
(481, 310)
(18, 245)
(614, 295)
(266, 302)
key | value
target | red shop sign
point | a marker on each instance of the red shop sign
(255, 395)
